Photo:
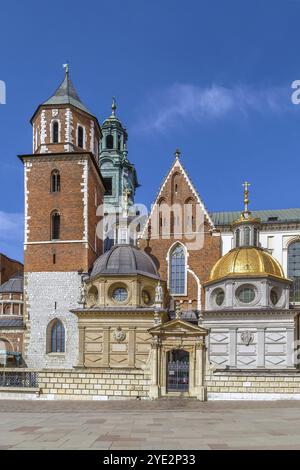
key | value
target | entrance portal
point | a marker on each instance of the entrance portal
(178, 371)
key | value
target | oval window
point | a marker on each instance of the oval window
(120, 294)
(146, 297)
(274, 296)
(246, 294)
(219, 297)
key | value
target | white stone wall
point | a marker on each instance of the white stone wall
(270, 346)
(43, 290)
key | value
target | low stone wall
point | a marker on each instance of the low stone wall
(91, 385)
(253, 386)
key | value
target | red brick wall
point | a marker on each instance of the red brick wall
(79, 118)
(8, 267)
(177, 190)
(41, 203)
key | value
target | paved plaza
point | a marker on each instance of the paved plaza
(163, 424)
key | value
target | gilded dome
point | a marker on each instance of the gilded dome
(246, 261)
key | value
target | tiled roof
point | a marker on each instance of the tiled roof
(14, 284)
(266, 216)
(11, 322)
(66, 94)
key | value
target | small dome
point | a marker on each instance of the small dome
(246, 261)
(13, 285)
(124, 259)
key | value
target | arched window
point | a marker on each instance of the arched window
(55, 129)
(109, 141)
(237, 238)
(177, 267)
(246, 236)
(294, 270)
(55, 181)
(255, 237)
(56, 337)
(55, 226)
(80, 136)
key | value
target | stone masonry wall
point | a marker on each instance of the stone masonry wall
(259, 386)
(49, 296)
(107, 384)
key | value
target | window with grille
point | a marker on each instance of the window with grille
(55, 226)
(294, 270)
(55, 181)
(57, 337)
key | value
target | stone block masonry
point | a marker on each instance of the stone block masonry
(244, 385)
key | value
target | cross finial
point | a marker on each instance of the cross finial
(114, 106)
(246, 194)
(177, 153)
(66, 67)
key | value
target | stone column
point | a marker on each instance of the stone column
(81, 332)
(106, 346)
(200, 388)
(155, 369)
(260, 354)
(290, 335)
(131, 347)
(232, 347)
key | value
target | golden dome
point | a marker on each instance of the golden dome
(246, 261)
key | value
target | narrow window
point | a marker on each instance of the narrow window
(237, 238)
(55, 132)
(294, 270)
(247, 236)
(177, 270)
(119, 142)
(255, 237)
(55, 226)
(108, 186)
(80, 136)
(55, 181)
(109, 141)
(57, 337)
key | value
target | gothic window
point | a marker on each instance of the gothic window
(294, 270)
(55, 132)
(177, 267)
(55, 181)
(55, 226)
(247, 236)
(80, 136)
(109, 141)
(56, 337)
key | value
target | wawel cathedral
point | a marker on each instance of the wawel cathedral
(115, 303)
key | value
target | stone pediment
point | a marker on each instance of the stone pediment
(179, 327)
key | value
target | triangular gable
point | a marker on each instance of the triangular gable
(177, 164)
(180, 326)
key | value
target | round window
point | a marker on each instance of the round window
(146, 297)
(274, 296)
(120, 294)
(246, 294)
(219, 297)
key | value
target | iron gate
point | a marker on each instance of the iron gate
(178, 376)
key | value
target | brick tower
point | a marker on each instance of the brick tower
(63, 188)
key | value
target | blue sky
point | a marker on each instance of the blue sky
(210, 77)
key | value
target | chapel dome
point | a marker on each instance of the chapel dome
(246, 261)
(13, 285)
(125, 260)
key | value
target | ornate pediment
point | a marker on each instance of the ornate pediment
(178, 327)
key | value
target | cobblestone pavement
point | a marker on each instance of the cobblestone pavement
(163, 424)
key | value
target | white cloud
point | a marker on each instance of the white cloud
(189, 103)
